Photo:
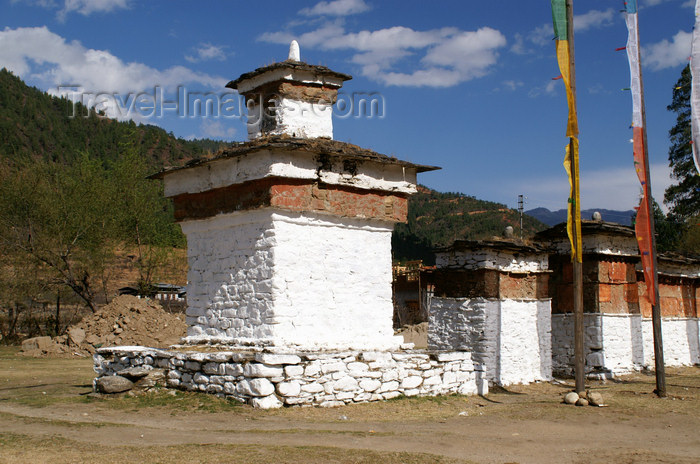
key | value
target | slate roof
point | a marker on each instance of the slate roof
(289, 64)
(319, 146)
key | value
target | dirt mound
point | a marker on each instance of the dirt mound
(417, 334)
(127, 320)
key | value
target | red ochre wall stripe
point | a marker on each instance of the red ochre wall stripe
(293, 195)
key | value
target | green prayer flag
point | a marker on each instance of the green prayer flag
(559, 17)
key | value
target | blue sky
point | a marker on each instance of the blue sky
(465, 85)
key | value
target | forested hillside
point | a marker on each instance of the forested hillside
(36, 125)
(437, 219)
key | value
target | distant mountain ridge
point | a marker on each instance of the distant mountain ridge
(437, 219)
(552, 218)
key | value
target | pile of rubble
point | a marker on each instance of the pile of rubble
(127, 320)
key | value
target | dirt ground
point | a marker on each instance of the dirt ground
(47, 416)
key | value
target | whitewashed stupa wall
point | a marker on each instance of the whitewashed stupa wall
(302, 280)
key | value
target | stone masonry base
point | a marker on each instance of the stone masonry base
(271, 380)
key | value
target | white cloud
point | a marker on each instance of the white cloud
(84, 7)
(39, 55)
(48, 4)
(594, 19)
(393, 38)
(513, 85)
(206, 52)
(647, 3)
(217, 130)
(614, 188)
(544, 34)
(518, 46)
(667, 54)
(336, 8)
(310, 39)
(88, 7)
(620, 188)
(597, 89)
(449, 56)
(433, 77)
(650, 3)
(470, 52)
(547, 89)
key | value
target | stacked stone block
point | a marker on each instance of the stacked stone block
(271, 380)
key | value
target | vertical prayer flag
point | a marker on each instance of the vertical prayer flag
(642, 225)
(695, 88)
(564, 52)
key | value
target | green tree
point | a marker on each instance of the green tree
(690, 240)
(58, 218)
(668, 230)
(65, 222)
(143, 215)
(22, 286)
(683, 197)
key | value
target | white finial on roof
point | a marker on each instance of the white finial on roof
(294, 51)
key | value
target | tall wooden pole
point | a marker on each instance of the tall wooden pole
(659, 365)
(579, 361)
(579, 364)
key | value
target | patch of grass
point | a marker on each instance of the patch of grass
(177, 401)
(19, 448)
(41, 382)
(58, 422)
(51, 397)
(8, 351)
